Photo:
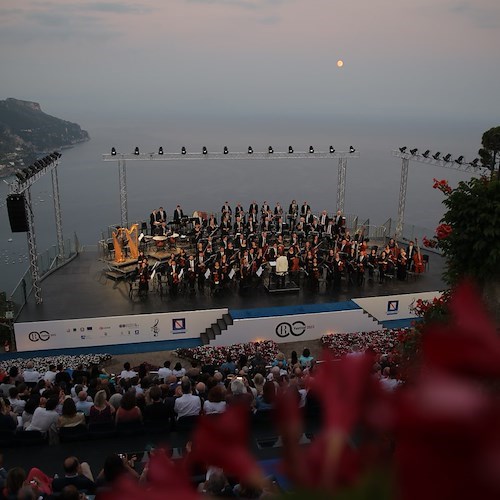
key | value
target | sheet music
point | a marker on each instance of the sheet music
(259, 271)
(181, 273)
(207, 274)
(231, 274)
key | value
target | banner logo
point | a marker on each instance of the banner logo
(36, 336)
(297, 328)
(393, 307)
(179, 325)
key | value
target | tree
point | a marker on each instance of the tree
(490, 152)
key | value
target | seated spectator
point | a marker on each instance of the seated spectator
(84, 403)
(13, 482)
(195, 370)
(229, 367)
(128, 411)
(268, 397)
(80, 375)
(114, 468)
(30, 375)
(50, 374)
(76, 474)
(6, 385)
(165, 371)
(187, 405)
(70, 417)
(44, 418)
(216, 400)
(387, 381)
(62, 375)
(178, 370)
(280, 361)
(156, 412)
(16, 403)
(258, 382)
(127, 372)
(101, 412)
(238, 393)
(31, 405)
(306, 360)
(8, 420)
(293, 362)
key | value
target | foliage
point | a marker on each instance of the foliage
(490, 152)
(469, 232)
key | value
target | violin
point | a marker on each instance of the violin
(418, 261)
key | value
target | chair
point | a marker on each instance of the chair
(129, 428)
(111, 250)
(71, 434)
(31, 438)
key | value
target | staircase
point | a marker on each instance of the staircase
(375, 320)
(216, 329)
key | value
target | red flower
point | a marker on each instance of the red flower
(429, 243)
(442, 185)
(443, 231)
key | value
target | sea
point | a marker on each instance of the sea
(89, 187)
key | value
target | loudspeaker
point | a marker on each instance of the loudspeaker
(17, 213)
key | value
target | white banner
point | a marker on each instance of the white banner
(392, 307)
(296, 327)
(114, 330)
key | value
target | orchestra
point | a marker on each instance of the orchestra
(247, 246)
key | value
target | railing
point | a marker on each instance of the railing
(48, 262)
(411, 232)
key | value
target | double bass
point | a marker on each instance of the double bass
(418, 261)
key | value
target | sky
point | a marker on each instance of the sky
(423, 58)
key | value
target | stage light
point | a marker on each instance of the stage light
(290, 150)
(426, 153)
(413, 151)
(113, 151)
(55, 155)
(437, 155)
(459, 160)
(160, 150)
(447, 157)
(474, 162)
(205, 150)
(183, 150)
(270, 150)
(136, 151)
(311, 149)
(226, 151)
(32, 169)
(332, 150)
(351, 149)
(250, 150)
(403, 149)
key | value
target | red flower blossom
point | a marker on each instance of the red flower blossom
(443, 231)
(442, 185)
(432, 243)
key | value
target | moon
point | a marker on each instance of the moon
(340, 63)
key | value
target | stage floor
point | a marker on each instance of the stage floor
(81, 290)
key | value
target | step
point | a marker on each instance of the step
(210, 333)
(222, 324)
(216, 328)
(204, 338)
(228, 319)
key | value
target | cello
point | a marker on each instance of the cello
(418, 261)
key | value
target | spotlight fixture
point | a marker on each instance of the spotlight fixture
(447, 157)
(437, 155)
(32, 169)
(459, 160)
(403, 149)
(270, 150)
(413, 151)
(160, 150)
(183, 150)
(311, 149)
(332, 150)
(250, 150)
(474, 162)
(426, 153)
(226, 151)
(205, 150)
(290, 150)
(351, 149)
(136, 151)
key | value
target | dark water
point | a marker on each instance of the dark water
(89, 187)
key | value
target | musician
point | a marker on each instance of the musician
(152, 222)
(278, 210)
(201, 269)
(345, 248)
(330, 228)
(143, 279)
(173, 277)
(263, 240)
(383, 263)
(294, 240)
(279, 225)
(217, 278)
(254, 208)
(293, 209)
(212, 223)
(411, 251)
(266, 224)
(191, 272)
(393, 248)
(272, 253)
(230, 251)
(225, 225)
(361, 263)
(178, 214)
(161, 215)
(300, 229)
(308, 218)
(197, 233)
(251, 226)
(245, 274)
(161, 229)
(314, 275)
(220, 254)
(226, 210)
(401, 263)
(315, 227)
(323, 220)
(141, 258)
(265, 209)
(338, 269)
(372, 263)
(239, 226)
(238, 211)
(338, 220)
(304, 209)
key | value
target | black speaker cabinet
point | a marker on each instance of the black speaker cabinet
(17, 213)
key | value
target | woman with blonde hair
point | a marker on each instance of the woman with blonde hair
(101, 412)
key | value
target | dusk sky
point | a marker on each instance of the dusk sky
(436, 58)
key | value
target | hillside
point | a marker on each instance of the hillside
(26, 132)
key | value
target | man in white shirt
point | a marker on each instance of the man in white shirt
(44, 418)
(50, 374)
(127, 372)
(281, 268)
(16, 403)
(188, 404)
(30, 375)
(165, 371)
